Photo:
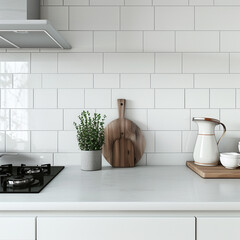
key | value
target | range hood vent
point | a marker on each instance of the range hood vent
(24, 29)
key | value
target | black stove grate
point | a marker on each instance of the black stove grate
(40, 177)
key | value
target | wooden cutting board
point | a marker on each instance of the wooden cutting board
(124, 141)
(214, 172)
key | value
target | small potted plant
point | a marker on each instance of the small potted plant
(90, 137)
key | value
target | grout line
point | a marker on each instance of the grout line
(194, 21)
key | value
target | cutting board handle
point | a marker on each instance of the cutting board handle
(121, 107)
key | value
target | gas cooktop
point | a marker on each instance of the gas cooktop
(26, 179)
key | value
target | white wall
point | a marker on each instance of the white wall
(171, 60)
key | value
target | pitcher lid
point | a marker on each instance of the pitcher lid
(206, 119)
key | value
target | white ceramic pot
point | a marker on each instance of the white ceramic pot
(91, 160)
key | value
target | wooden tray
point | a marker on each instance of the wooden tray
(213, 172)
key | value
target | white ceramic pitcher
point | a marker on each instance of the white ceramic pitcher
(206, 151)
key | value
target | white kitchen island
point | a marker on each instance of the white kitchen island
(158, 202)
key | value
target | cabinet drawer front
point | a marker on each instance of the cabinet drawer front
(117, 228)
(17, 228)
(220, 228)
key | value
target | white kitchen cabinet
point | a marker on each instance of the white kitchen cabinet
(218, 228)
(17, 228)
(117, 228)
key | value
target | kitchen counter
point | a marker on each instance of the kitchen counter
(163, 188)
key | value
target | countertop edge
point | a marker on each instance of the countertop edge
(117, 206)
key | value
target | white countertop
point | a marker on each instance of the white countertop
(164, 188)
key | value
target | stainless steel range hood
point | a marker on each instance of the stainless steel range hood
(20, 26)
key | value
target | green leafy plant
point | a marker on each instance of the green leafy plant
(90, 131)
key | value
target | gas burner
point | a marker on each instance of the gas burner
(26, 179)
(20, 181)
(26, 170)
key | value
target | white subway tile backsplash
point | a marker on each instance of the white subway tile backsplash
(129, 41)
(172, 81)
(80, 63)
(70, 98)
(4, 119)
(169, 119)
(230, 41)
(57, 15)
(188, 141)
(230, 141)
(67, 80)
(36, 119)
(222, 98)
(150, 141)
(80, 41)
(76, 2)
(53, 2)
(226, 2)
(27, 81)
(6, 80)
(205, 63)
(169, 98)
(174, 18)
(168, 141)
(43, 62)
(97, 98)
(138, 2)
(45, 98)
(94, 18)
(44, 141)
(134, 97)
(128, 62)
(197, 41)
(201, 2)
(197, 98)
(135, 81)
(170, 2)
(171, 60)
(209, 113)
(17, 141)
(104, 41)
(106, 81)
(137, 18)
(2, 142)
(67, 141)
(168, 63)
(217, 80)
(71, 115)
(217, 18)
(16, 98)
(138, 116)
(159, 41)
(14, 63)
(230, 117)
(107, 2)
(237, 98)
(235, 62)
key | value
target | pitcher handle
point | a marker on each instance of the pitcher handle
(224, 131)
